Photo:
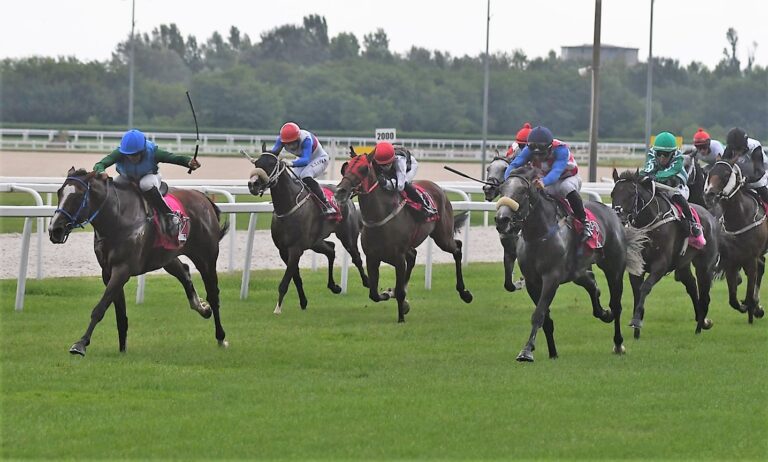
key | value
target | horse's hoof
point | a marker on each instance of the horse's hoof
(466, 296)
(365, 281)
(205, 310)
(223, 343)
(759, 312)
(400, 320)
(406, 307)
(606, 316)
(525, 356)
(637, 333)
(510, 286)
(335, 288)
(619, 349)
(707, 324)
(743, 308)
(278, 309)
(636, 323)
(77, 349)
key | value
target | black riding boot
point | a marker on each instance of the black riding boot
(762, 191)
(315, 188)
(414, 195)
(169, 221)
(694, 230)
(577, 205)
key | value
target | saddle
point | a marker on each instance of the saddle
(597, 240)
(162, 240)
(419, 206)
(331, 198)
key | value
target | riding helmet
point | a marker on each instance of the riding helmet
(384, 153)
(540, 140)
(737, 139)
(522, 134)
(289, 132)
(664, 142)
(133, 142)
(701, 138)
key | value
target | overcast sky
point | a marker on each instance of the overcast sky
(686, 30)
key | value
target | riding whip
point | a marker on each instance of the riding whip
(197, 131)
(466, 176)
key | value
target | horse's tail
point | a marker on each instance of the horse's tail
(636, 241)
(223, 226)
(459, 221)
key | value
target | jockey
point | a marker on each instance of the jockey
(521, 139)
(665, 165)
(748, 150)
(561, 172)
(311, 161)
(706, 149)
(393, 173)
(136, 160)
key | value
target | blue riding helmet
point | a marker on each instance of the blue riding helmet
(133, 142)
(540, 140)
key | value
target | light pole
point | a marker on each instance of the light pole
(485, 92)
(130, 68)
(648, 88)
(593, 119)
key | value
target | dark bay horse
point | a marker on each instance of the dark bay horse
(391, 234)
(744, 240)
(298, 225)
(495, 177)
(697, 179)
(124, 244)
(550, 253)
(638, 207)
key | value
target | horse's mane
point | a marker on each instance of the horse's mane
(528, 172)
(630, 175)
(79, 172)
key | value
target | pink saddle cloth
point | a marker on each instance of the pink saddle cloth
(331, 198)
(695, 242)
(418, 205)
(163, 240)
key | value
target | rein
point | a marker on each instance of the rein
(273, 177)
(359, 189)
(657, 221)
(83, 205)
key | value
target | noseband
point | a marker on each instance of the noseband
(735, 180)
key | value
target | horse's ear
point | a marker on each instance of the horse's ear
(637, 172)
(352, 153)
(498, 154)
(264, 147)
(615, 175)
(71, 171)
(344, 168)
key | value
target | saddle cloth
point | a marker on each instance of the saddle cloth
(167, 242)
(418, 206)
(696, 243)
(596, 241)
(331, 198)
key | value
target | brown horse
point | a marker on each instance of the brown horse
(744, 235)
(124, 242)
(391, 235)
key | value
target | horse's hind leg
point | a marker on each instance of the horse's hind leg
(328, 249)
(207, 268)
(635, 281)
(181, 272)
(117, 279)
(616, 289)
(410, 262)
(704, 281)
(587, 281)
(121, 316)
(401, 268)
(453, 246)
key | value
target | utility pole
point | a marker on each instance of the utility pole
(593, 117)
(649, 86)
(130, 67)
(485, 91)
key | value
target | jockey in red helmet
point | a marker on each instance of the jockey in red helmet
(394, 173)
(521, 139)
(705, 148)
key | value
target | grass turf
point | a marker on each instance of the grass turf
(343, 380)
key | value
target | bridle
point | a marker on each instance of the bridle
(735, 180)
(517, 217)
(360, 188)
(73, 218)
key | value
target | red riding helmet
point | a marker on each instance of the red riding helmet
(522, 134)
(384, 153)
(289, 132)
(701, 138)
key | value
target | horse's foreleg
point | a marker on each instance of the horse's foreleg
(297, 281)
(639, 311)
(750, 302)
(180, 271)
(327, 248)
(685, 276)
(292, 267)
(121, 316)
(373, 281)
(733, 279)
(587, 281)
(117, 279)
(348, 239)
(401, 268)
(465, 295)
(509, 243)
(540, 313)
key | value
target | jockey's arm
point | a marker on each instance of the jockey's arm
(306, 153)
(400, 170)
(758, 161)
(519, 160)
(107, 161)
(277, 147)
(561, 154)
(167, 157)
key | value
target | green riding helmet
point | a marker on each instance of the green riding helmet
(664, 142)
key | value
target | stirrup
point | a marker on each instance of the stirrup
(588, 230)
(695, 230)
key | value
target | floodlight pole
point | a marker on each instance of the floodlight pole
(130, 67)
(593, 117)
(485, 92)
(649, 86)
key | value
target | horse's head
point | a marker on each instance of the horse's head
(630, 194)
(358, 176)
(495, 176)
(267, 169)
(518, 197)
(724, 180)
(76, 208)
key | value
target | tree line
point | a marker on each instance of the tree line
(338, 85)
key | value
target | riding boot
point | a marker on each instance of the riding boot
(694, 229)
(415, 196)
(762, 191)
(317, 191)
(577, 205)
(169, 221)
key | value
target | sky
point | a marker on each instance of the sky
(686, 30)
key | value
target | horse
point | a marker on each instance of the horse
(637, 205)
(494, 178)
(125, 244)
(391, 236)
(697, 179)
(298, 226)
(550, 253)
(744, 234)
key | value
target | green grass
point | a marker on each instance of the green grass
(343, 380)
